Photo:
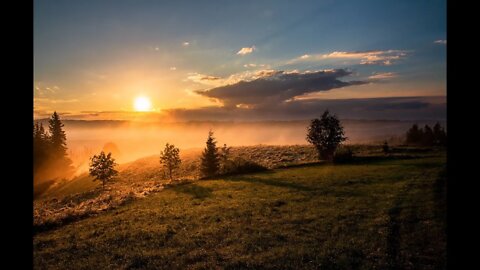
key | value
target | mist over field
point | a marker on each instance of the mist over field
(129, 141)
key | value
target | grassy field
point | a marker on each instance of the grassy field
(379, 213)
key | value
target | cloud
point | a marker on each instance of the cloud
(53, 101)
(273, 86)
(44, 90)
(246, 50)
(204, 79)
(376, 57)
(186, 43)
(173, 68)
(381, 76)
(441, 41)
(398, 108)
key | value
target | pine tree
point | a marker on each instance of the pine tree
(224, 158)
(428, 138)
(58, 139)
(170, 159)
(40, 146)
(210, 161)
(414, 135)
(439, 134)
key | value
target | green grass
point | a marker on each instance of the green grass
(376, 214)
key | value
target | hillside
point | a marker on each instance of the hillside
(377, 213)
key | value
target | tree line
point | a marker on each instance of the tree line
(427, 136)
(326, 134)
(50, 158)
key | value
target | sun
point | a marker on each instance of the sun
(142, 104)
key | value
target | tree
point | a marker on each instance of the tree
(224, 158)
(428, 138)
(385, 147)
(170, 158)
(102, 167)
(439, 134)
(58, 139)
(414, 135)
(210, 161)
(326, 134)
(40, 146)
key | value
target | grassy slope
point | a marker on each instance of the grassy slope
(378, 214)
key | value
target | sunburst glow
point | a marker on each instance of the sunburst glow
(142, 104)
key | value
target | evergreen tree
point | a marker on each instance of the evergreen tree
(58, 139)
(385, 147)
(414, 135)
(439, 134)
(170, 159)
(326, 134)
(210, 161)
(224, 158)
(428, 138)
(40, 146)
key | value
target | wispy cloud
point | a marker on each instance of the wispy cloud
(441, 41)
(186, 43)
(173, 68)
(53, 100)
(41, 90)
(246, 50)
(384, 75)
(204, 79)
(376, 57)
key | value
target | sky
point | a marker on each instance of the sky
(239, 60)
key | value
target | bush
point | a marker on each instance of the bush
(240, 165)
(343, 155)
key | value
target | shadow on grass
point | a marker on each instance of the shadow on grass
(41, 188)
(375, 159)
(197, 192)
(276, 182)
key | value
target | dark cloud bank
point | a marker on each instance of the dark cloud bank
(392, 108)
(277, 87)
(272, 97)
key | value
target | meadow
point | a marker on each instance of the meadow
(375, 212)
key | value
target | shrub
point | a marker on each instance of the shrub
(240, 165)
(343, 155)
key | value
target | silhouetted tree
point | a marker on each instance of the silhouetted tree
(170, 159)
(210, 161)
(224, 158)
(326, 134)
(102, 167)
(414, 135)
(428, 137)
(58, 138)
(41, 143)
(439, 134)
(385, 147)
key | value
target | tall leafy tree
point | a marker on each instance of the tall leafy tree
(326, 134)
(210, 161)
(170, 159)
(102, 167)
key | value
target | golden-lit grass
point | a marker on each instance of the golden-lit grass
(378, 213)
